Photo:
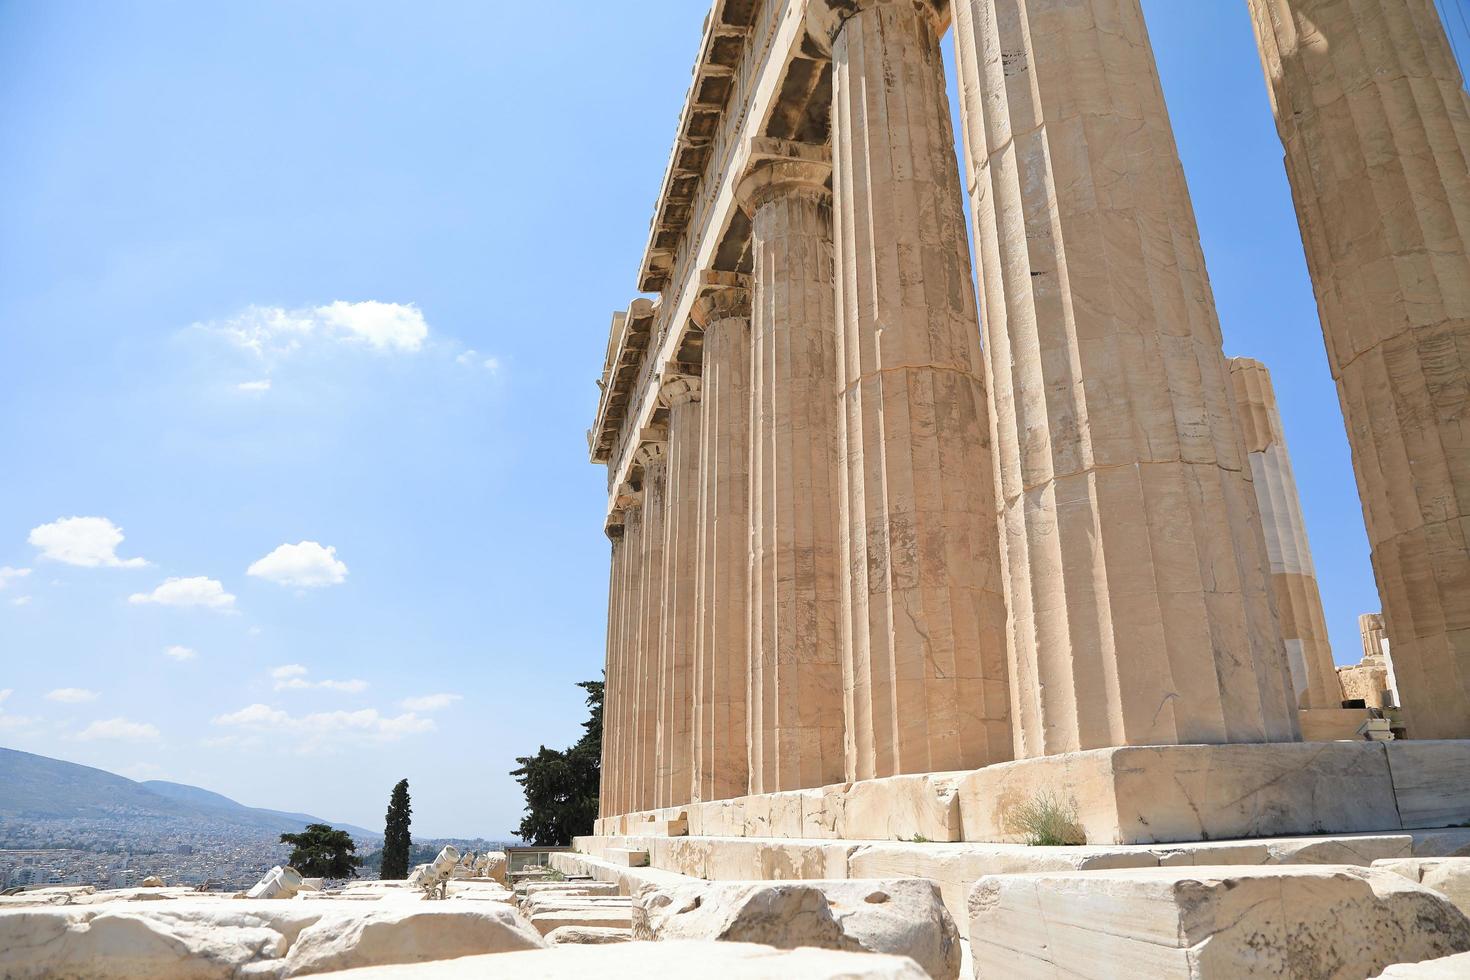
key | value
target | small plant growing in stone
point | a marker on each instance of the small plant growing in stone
(552, 874)
(1045, 820)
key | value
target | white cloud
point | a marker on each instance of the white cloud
(181, 653)
(263, 384)
(11, 722)
(325, 728)
(86, 541)
(292, 677)
(118, 728)
(473, 358)
(305, 564)
(21, 600)
(255, 715)
(430, 702)
(72, 695)
(381, 325)
(7, 573)
(272, 332)
(197, 591)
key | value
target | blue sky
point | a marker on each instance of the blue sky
(305, 303)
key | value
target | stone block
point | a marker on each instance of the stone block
(1206, 923)
(406, 934)
(1331, 724)
(639, 961)
(587, 935)
(1162, 794)
(601, 916)
(627, 857)
(1455, 967)
(1449, 842)
(1448, 876)
(1431, 781)
(902, 917)
(821, 811)
(904, 808)
(659, 828)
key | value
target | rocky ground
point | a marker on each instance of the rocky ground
(1295, 921)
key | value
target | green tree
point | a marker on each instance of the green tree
(561, 786)
(322, 852)
(396, 838)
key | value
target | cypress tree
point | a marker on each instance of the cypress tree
(396, 838)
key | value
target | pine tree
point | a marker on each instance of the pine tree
(396, 838)
(562, 786)
(320, 851)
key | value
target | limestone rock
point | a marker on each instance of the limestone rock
(587, 935)
(152, 881)
(407, 934)
(902, 916)
(174, 940)
(1204, 923)
(1448, 876)
(640, 961)
(1444, 968)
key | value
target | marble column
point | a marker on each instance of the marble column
(1137, 581)
(674, 738)
(1293, 575)
(924, 618)
(795, 698)
(1375, 121)
(620, 722)
(611, 687)
(652, 457)
(722, 629)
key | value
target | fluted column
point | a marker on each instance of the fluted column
(1374, 117)
(722, 629)
(1137, 581)
(924, 619)
(611, 688)
(1293, 575)
(652, 456)
(675, 727)
(795, 700)
(620, 722)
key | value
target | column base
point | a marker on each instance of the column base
(1124, 795)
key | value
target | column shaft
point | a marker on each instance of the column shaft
(1375, 120)
(632, 616)
(795, 713)
(611, 689)
(722, 632)
(1136, 576)
(644, 708)
(1293, 575)
(924, 619)
(675, 725)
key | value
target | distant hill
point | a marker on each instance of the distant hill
(33, 787)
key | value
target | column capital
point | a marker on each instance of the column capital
(726, 296)
(774, 168)
(678, 389)
(824, 18)
(652, 449)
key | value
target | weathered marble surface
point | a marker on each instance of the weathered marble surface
(209, 938)
(1445, 968)
(1206, 923)
(901, 916)
(640, 961)
(1448, 876)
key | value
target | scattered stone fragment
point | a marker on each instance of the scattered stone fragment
(587, 935)
(1448, 876)
(1206, 923)
(902, 916)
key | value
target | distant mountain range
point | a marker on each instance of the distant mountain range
(35, 788)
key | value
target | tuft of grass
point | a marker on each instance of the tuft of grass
(1045, 820)
(920, 839)
(552, 874)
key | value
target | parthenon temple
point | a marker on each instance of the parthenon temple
(903, 537)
